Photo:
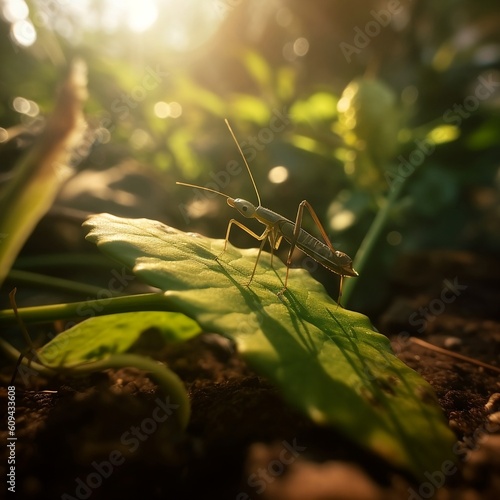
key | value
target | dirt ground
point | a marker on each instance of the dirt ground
(243, 442)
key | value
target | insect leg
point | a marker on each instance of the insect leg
(275, 242)
(325, 238)
(262, 238)
(316, 220)
(246, 229)
(296, 231)
(257, 260)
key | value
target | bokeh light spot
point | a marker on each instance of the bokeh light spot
(162, 109)
(394, 238)
(25, 106)
(175, 109)
(301, 46)
(103, 135)
(342, 220)
(140, 139)
(24, 33)
(277, 175)
(141, 15)
(15, 10)
(4, 135)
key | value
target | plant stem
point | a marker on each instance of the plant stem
(62, 260)
(453, 354)
(45, 281)
(168, 381)
(372, 236)
(90, 308)
(12, 352)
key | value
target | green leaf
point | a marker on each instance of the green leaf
(100, 337)
(103, 342)
(328, 362)
(248, 107)
(320, 106)
(258, 68)
(39, 174)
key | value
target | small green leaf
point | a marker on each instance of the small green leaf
(98, 338)
(327, 361)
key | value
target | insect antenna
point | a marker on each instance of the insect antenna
(203, 188)
(244, 160)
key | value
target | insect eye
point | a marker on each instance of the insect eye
(244, 209)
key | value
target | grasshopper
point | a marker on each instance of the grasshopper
(279, 228)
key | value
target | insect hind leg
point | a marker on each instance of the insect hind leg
(296, 231)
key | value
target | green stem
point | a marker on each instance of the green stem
(42, 280)
(168, 381)
(13, 353)
(363, 255)
(89, 308)
(57, 260)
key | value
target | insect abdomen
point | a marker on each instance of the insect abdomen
(335, 261)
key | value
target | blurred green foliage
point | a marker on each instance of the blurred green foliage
(415, 104)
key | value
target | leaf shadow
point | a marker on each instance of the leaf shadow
(254, 301)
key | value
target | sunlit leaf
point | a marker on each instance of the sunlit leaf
(370, 117)
(285, 82)
(248, 107)
(307, 143)
(190, 91)
(321, 106)
(104, 342)
(180, 145)
(443, 133)
(328, 362)
(102, 336)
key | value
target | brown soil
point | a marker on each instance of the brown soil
(243, 442)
